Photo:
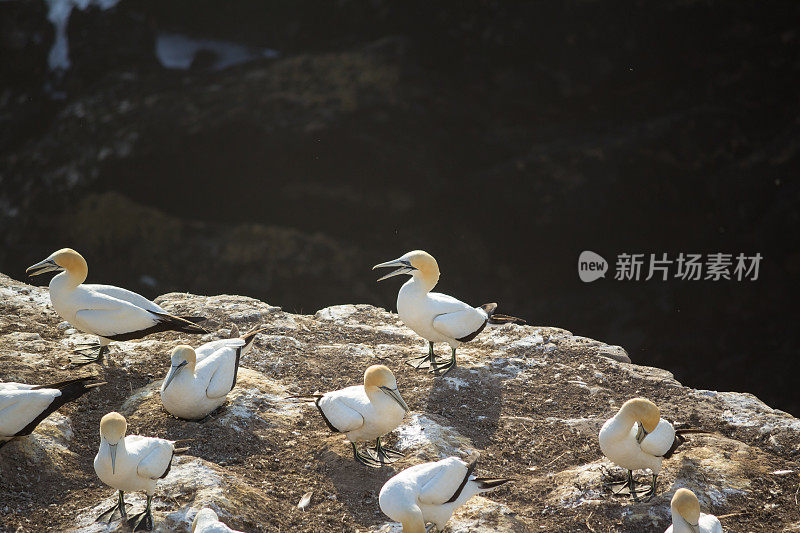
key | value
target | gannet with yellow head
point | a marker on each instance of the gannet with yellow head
(199, 380)
(686, 515)
(111, 313)
(207, 521)
(637, 438)
(367, 412)
(23, 407)
(131, 463)
(431, 492)
(434, 316)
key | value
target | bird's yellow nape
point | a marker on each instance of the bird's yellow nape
(686, 503)
(417, 263)
(69, 260)
(644, 411)
(423, 261)
(378, 376)
(183, 352)
(113, 427)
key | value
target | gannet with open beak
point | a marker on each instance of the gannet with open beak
(367, 412)
(131, 463)
(437, 317)
(638, 438)
(199, 380)
(686, 515)
(431, 492)
(111, 313)
(23, 407)
(207, 521)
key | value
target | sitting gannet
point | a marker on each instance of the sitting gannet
(207, 521)
(131, 463)
(22, 406)
(199, 381)
(437, 317)
(687, 518)
(686, 515)
(366, 412)
(111, 313)
(638, 438)
(431, 492)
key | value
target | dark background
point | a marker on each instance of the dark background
(502, 137)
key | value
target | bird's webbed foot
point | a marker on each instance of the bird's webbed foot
(377, 457)
(118, 510)
(627, 487)
(384, 456)
(423, 361)
(443, 368)
(88, 353)
(652, 492)
(142, 521)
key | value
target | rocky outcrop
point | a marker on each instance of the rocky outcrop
(496, 123)
(529, 399)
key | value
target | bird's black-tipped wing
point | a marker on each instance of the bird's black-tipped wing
(164, 322)
(470, 468)
(70, 390)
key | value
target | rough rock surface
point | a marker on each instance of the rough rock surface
(529, 399)
(380, 120)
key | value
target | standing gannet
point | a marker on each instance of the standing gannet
(111, 313)
(430, 492)
(637, 438)
(199, 380)
(207, 521)
(22, 406)
(367, 412)
(131, 463)
(686, 515)
(437, 317)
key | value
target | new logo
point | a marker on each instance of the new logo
(591, 266)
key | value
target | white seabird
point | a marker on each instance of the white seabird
(434, 316)
(367, 412)
(637, 438)
(111, 313)
(199, 380)
(431, 492)
(207, 521)
(23, 407)
(686, 515)
(131, 463)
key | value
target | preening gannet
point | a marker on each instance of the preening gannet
(686, 515)
(367, 412)
(207, 521)
(131, 463)
(22, 406)
(430, 492)
(199, 380)
(111, 313)
(638, 438)
(437, 317)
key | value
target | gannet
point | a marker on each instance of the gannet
(207, 521)
(638, 438)
(199, 380)
(686, 515)
(22, 406)
(366, 412)
(111, 313)
(430, 492)
(437, 317)
(131, 463)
